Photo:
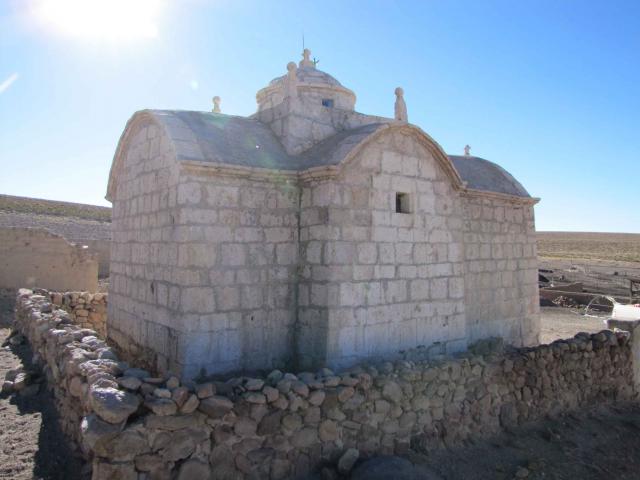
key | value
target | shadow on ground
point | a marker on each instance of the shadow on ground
(601, 443)
(32, 444)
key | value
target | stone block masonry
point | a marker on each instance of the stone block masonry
(131, 424)
(310, 235)
(501, 271)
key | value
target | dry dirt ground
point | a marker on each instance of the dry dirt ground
(31, 444)
(558, 322)
(597, 444)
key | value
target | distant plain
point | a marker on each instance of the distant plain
(614, 247)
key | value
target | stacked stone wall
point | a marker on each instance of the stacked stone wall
(132, 425)
(501, 271)
(88, 310)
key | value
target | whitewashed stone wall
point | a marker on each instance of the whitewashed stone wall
(204, 267)
(237, 270)
(144, 289)
(375, 281)
(231, 269)
(501, 271)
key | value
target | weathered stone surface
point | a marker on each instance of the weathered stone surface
(345, 393)
(254, 384)
(292, 421)
(20, 381)
(171, 422)
(348, 460)
(113, 406)
(173, 382)
(180, 395)
(216, 406)
(194, 470)
(123, 447)
(316, 398)
(154, 380)
(271, 393)
(76, 387)
(138, 373)
(95, 431)
(190, 405)
(270, 423)
(304, 438)
(300, 388)
(392, 392)
(255, 397)
(161, 406)
(162, 393)
(205, 390)
(245, 427)
(113, 471)
(181, 445)
(149, 462)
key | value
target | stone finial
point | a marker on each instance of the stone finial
(306, 59)
(291, 84)
(400, 106)
(216, 104)
(467, 150)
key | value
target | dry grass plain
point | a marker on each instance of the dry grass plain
(36, 206)
(616, 247)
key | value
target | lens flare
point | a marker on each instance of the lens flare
(114, 20)
(8, 82)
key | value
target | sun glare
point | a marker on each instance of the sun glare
(113, 20)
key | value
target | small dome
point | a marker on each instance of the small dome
(312, 85)
(310, 75)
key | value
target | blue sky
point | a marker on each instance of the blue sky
(547, 89)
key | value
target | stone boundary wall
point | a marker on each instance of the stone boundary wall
(88, 310)
(134, 426)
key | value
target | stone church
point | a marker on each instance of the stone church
(310, 235)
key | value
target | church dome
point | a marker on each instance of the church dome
(310, 75)
(313, 86)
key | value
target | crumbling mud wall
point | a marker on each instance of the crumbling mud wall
(103, 249)
(281, 425)
(38, 258)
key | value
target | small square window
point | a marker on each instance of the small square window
(403, 203)
(327, 102)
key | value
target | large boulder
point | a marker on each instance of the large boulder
(95, 432)
(113, 405)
